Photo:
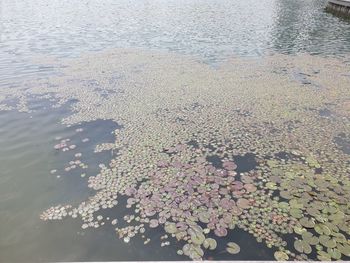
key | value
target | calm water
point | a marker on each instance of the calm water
(211, 30)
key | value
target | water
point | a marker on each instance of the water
(212, 31)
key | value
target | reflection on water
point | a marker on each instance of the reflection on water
(209, 29)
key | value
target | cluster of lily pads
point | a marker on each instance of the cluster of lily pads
(185, 128)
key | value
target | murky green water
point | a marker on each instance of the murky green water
(40, 40)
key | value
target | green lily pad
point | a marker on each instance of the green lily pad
(338, 217)
(193, 251)
(286, 195)
(197, 238)
(323, 256)
(339, 237)
(313, 211)
(204, 217)
(283, 205)
(327, 241)
(306, 222)
(294, 203)
(271, 186)
(271, 163)
(344, 249)
(302, 246)
(233, 248)
(322, 229)
(332, 227)
(296, 213)
(310, 238)
(334, 253)
(299, 229)
(312, 162)
(281, 256)
(170, 228)
(210, 243)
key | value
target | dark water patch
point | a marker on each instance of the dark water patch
(318, 170)
(325, 113)
(304, 79)
(27, 187)
(243, 113)
(215, 160)
(193, 143)
(343, 142)
(245, 163)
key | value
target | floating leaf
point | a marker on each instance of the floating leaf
(327, 241)
(309, 238)
(302, 246)
(243, 203)
(296, 213)
(220, 232)
(294, 203)
(233, 248)
(323, 256)
(197, 238)
(299, 229)
(204, 217)
(283, 205)
(170, 228)
(286, 194)
(322, 229)
(334, 253)
(271, 186)
(306, 222)
(281, 256)
(210, 243)
(344, 249)
(153, 223)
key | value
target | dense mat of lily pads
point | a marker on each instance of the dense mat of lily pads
(177, 115)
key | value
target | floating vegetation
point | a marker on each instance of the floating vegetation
(281, 256)
(233, 248)
(192, 163)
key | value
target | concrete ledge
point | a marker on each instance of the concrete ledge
(340, 2)
(339, 7)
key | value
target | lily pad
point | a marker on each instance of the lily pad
(204, 217)
(323, 256)
(286, 194)
(197, 238)
(233, 248)
(302, 246)
(243, 203)
(344, 249)
(271, 186)
(306, 222)
(310, 238)
(328, 241)
(296, 213)
(281, 256)
(210, 243)
(334, 253)
(220, 232)
(153, 223)
(322, 229)
(299, 229)
(170, 228)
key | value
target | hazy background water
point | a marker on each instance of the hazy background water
(209, 29)
(212, 30)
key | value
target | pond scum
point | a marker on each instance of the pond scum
(177, 114)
